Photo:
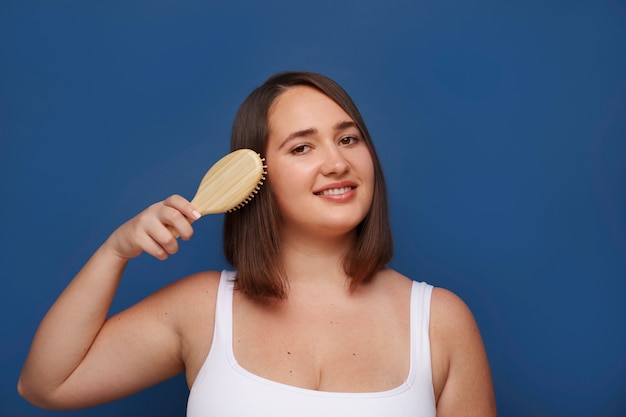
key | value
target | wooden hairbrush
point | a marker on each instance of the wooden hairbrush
(230, 183)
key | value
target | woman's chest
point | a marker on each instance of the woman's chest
(326, 347)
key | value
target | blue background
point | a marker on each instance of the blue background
(501, 126)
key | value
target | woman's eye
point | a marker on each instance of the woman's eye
(348, 140)
(300, 149)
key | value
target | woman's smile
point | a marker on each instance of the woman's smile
(335, 191)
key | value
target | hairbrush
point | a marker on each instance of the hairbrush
(230, 183)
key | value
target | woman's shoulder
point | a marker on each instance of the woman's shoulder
(452, 323)
(190, 297)
(450, 312)
(396, 278)
(458, 355)
(445, 304)
(201, 284)
(209, 278)
(193, 300)
(451, 320)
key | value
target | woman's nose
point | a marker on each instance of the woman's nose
(334, 162)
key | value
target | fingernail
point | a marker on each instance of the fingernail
(196, 214)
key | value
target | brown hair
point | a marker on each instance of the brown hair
(252, 234)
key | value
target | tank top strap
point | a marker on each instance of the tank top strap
(224, 312)
(421, 366)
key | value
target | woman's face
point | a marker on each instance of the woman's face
(319, 168)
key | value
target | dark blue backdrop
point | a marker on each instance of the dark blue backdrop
(501, 126)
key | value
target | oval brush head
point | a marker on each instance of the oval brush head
(230, 183)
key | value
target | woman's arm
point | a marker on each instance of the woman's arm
(461, 375)
(78, 358)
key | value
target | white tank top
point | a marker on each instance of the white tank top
(225, 389)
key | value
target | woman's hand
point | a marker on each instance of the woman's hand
(151, 230)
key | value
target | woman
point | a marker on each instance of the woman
(311, 323)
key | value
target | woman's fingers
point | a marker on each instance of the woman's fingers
(178, 214)
(155, 230)
(183, 206)
(158, 250)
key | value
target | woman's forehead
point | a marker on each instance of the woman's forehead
(302, 107)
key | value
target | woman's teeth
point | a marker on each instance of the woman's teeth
(335, 191)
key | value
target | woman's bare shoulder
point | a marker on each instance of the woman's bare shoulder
(461, 375)
(196, 289)
(451, 321)
(185, 303)
(393, 276)
(194, 295)
(200, 282)
(194, 298)
(447, 307)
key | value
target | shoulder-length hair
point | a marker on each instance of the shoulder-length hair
(252, 234)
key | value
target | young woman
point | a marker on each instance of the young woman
(311, 323)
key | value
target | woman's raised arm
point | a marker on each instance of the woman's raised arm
(78, 358)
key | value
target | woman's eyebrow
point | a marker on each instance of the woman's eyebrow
(298, 134)
(344, 125)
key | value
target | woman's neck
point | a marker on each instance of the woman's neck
(315, 260)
